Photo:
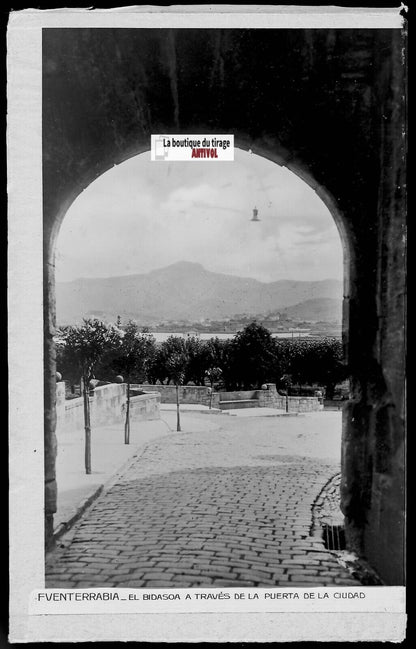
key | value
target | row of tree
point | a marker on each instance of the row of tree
(251, 358)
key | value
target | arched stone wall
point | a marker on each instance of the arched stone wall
(328, 104)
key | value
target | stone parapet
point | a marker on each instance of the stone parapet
(269, 397)
(107, 406)
(144, 407)
(196, 394)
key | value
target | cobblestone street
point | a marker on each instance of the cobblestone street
(229, 507)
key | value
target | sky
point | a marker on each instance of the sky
(143, 215)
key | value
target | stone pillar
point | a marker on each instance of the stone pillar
(269, 397)
(373, 484)
(215, 400)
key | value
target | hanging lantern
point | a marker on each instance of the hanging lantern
(255, 217)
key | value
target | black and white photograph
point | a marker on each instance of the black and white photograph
(220, 216)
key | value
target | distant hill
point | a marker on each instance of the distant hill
(183, 291)
(320, 309)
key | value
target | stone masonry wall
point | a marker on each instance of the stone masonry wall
(270, 398)
(195, 394)
(304, 404)
(144, 407)
(107, 404)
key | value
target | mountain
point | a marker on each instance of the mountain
(320, 309)
(182, 291)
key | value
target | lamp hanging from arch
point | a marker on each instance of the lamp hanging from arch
(255, 213)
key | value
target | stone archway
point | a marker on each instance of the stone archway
(117, 87)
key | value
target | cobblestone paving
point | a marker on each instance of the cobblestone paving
(211, 510)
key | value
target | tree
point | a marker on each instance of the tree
(131, 355)
(312, 361)
(198, 360)
(85, 345)
(286, 382)
(65, 363)
(216, 352)
(224, 358)
(253, 356)
(292, 359)
(213, 375)
(176, 363)
(156, 369)
(330, 365)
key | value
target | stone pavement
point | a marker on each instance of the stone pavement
(110, 455)
(228, 507)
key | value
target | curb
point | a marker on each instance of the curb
(281, 414)
(208, 411)
(67, 525)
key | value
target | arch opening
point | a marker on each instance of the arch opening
(297, 213)
(243, 144)
(222, 214)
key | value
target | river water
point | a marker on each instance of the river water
(160, 336)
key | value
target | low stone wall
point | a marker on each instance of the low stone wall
(304, 404)
(197, 394)
(107, 406)
(270, 398)
(60, 405)
(237, 395)
(144, 407)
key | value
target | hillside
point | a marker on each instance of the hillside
(183, 291)
(321, 309)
